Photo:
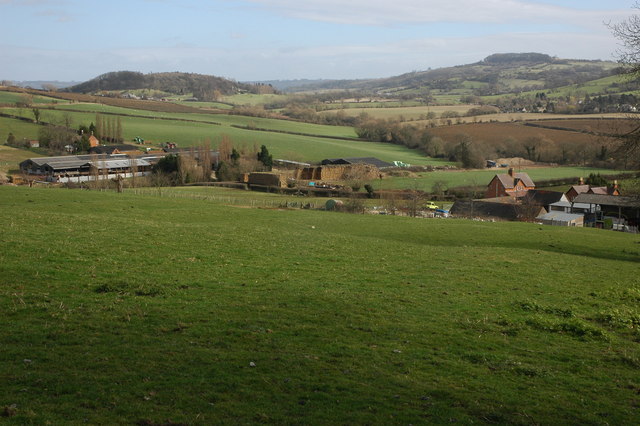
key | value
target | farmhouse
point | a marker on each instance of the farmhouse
(93, 141)
(581, 188)
(510, 184)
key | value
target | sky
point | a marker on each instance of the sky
(259, 40)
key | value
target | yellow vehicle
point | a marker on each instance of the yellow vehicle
(431, 205)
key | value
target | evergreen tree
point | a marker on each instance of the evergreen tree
(235, 157)
(98, 128)
(265, 158)
(119, 137)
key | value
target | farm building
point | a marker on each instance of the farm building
(622, 212)
(357, 160)
(558, 218)
(288, 164)
(576, 190)
(80, 168)
(569, 207)
(93, 141)
(544, 198)
(510, 184)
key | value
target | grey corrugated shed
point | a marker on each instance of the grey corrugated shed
(561, 217)
(121, 164)
(608, 200)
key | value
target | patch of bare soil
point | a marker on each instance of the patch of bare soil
(515, 161)
(401, 173)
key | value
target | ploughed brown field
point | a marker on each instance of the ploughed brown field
(570, 131)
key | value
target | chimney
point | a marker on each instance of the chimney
(581, 182)
(511, 171)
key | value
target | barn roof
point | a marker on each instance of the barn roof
(558, 216)
(608, 200)
(544, 197)
(121, 163)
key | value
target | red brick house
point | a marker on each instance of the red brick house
(93, 141)
(576, 190)
(509, 184)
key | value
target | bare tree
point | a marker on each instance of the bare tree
(628, 32)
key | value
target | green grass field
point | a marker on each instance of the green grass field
(424, 181)
(12, 97)
(10, 157)
(122, 309)
(85, 113)
(251, 99)
(281, 145)
(20, 129)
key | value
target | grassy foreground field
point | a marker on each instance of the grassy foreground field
(122, 309)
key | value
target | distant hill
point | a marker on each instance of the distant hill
(43, 85)
(201, 86)
(496, 74)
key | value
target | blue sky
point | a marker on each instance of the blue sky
(290, 39)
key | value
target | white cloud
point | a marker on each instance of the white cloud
(385, 12)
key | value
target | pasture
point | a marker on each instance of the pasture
(10, 158)
(20, 129)
(11, 98)
(481, 178)
(158, 310)
(194, 129)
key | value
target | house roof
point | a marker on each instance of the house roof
(608, 200)
(569, 204)
(560, 216)
(509, 182)
(579, 189)
(598, 190)
(121, 163)
(544, 197)
(73, 161)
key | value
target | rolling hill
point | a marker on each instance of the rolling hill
(496, 74)
(170, 82)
